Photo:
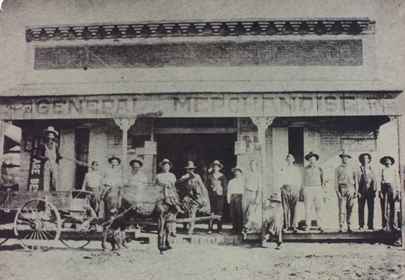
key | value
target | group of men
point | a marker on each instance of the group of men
(308, 184)
(351, 182)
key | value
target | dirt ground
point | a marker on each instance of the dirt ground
(185, 261)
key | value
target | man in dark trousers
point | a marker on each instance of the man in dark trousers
(389, 192)
(366, 192)
(48, 153)
(346, 190)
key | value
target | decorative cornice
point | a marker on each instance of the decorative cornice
(200, 28)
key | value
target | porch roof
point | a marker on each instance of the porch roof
(197, 86)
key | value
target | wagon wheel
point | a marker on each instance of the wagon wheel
(36, 224)
(67, 226)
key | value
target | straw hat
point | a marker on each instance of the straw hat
(217, 163)
(344, 154)
(138, 160)
(110, 159)
(164, 161)
(382, 160)
(236, 168)
(52, 130)
(311, 154)
(190, 165)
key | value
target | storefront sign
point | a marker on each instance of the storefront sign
(199, 105)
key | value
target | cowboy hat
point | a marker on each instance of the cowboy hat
(344, 154)
(218, 163)
(164, 161)
(311, 154)
(382, 160)
(237, 169)
(275, 197)
(138, 160)
(190, 165)
(361, 156)
(52, 130)
(111, 158)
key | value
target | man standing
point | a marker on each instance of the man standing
(251, 197)
(291, 181)
(216, 184)
(389, 192)
(346, 190)
(112, 184)
(48, 153)
(234, 199)
(313, 189)
(137, 179)
(366, 191)
(92, 182)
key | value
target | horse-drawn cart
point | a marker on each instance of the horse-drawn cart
(38, 218)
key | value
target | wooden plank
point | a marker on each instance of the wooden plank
(375, 236)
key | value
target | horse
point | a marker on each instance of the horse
(129, 202)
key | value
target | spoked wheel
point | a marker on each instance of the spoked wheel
(70, 227)
(37, 224)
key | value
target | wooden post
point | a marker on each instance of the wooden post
(124, 124)
(262, 123)
(2, 131)
(401, 180)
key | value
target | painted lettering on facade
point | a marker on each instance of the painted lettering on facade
(199, 105)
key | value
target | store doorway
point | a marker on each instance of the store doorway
(202, 149)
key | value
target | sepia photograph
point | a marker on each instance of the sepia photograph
(202, 139)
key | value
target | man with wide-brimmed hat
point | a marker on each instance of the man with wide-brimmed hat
(346, 190)
(389, 192)
(216, 184)
(166, 179)
(313, 189)
(195, 188)
(272, 227)
(235, 192)
(112, 183)
(48, 153)
(195, 194)
(136, 178)
(367, 188)
(290, 182)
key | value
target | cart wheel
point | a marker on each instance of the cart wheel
(36, 224)
(73, 244)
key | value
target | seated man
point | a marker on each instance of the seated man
(273, 220)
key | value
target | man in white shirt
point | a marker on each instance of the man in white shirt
(291, 181)
(236, 188)
(389, 192)
(93, 182)
(137, 178)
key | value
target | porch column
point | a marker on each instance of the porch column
(2, 131)
(400, 123)
(124, 124)
(262, 123)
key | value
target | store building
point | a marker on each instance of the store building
(185, 89)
